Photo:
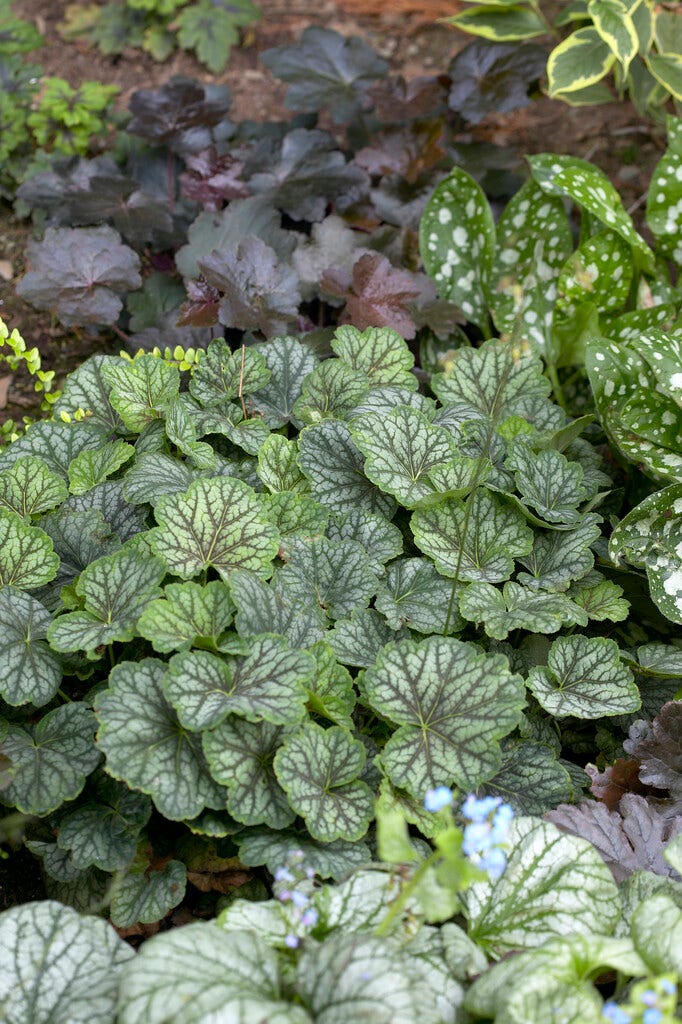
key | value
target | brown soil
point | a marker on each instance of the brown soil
(403, 31)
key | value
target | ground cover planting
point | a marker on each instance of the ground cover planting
(340, 658)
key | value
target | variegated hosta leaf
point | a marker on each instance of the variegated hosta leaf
(278, 466)
(51, 760)
(379, 352)
(269, 683)
(493, 382)
(614, 23)
(30, 673)
(584, 678)
(474, 540)
(578, 62)
(553, 885)
(290, 362)
(549, 483)
(270, 607)
(534, 241)
(558, 557)
(330, 392)
(664, 204)
(530, 779)
(517, 607)
(591, 190)
(58, 966)
(141, 390)
(219, 523)
(223, 375)
(188, 614)
(330, 691)
(240, 756)
(115, 590)
(381, 539)
(657, 933)
(335, 469)
(456, 241)
(104, 831)
(328, 860)
(651, 536)
(337, 573)
(27, 558)
(599, 271)
(414, 594)
(452, 704)
(319, 770)
(93, 467)
(29, 487)
(145, 893)
(146, 747)
(358, 640)
(201, 973)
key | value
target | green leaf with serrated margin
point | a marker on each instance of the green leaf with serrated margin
(602, 599)
(328, 860)
(584, 678)
(558, 557)
(530, 779)
(154, 474)
(452, 704)
(553, 885)
(121, 517)
(57, 444)
(223, 375)
(334, 467)
(330, 692)
(319, 770)
(240, 756)
(296, 517)
(51, 761)
(290, 362)
(218, 523)
(181, 430)
(115, 590)
(381, 539)
(27, 558)
(141, 390)
(209, 31)
(188, 615)
(456, 241)
(330, 391)
(144, 893)
(30, 673)
(93, 467)
(516, 607)
(358, 640)
(104, 831)
(414, 594)
(548, 482)
(278, 466)
(379, 352)
(146, 747)
(85, 388)
(29, 487)
(480, 544)
(337, 573)
(269, 684)
(59, 965)
(263, 607)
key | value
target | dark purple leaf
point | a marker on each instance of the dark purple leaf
(377, 296)
(201, 307)
(326, 71)
(77, 192)
(258, 292)
(408, 152)
(75, 273)
(210, 179)
(659, 748)
(182, 105)
(396, 100)
(615, 781)
(493, 78)
(310, 173)
(629, 839)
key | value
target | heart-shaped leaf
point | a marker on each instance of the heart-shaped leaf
(93, 467)
(558, 557)
(334, 467)
(290, 363)
(414, 594)
(379, 352)
(336, 572)
(328, 860)
(104, 831)
(358, 640)
(144, 893)
(584, 678)
(188, 615)
(29, 487)
(264, 607)
(141, 390)
(516, 607)
(27, 559)
(30, 673)
(330, 692)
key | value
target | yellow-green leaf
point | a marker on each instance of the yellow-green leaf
(614, 24)
(667, 69)
(582, 59)
(501, 24)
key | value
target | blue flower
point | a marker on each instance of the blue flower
(299, 899)
(486, 835)
(436, 799)
(292, 941)
(649, 998)
(283, 875)
(615, 1014)
(309, 918)
(668, 986)
(494, 862)
(652, 1016)
(480, 810)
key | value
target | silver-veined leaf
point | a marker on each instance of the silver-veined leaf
(330, 691)
(297, 517)
(584, 678)
(141, 390)
(414, 594)
(154, 474)
(30, 673)
(548, 482)
(103, 832)
(334, 466)
(290, 362)
(188, 614)
(57, 444)
(270, 607)
(278, 466)
(657, 933)
(381, 539)
(27, 558)
(530, 779)
(358, 640)
(93, 467)
(560, 556)
(145, 893)
(336, 572)
(328, 860)
(517, 607)
(223, 375)
(29, 487)
(379, 352)
(85, 388)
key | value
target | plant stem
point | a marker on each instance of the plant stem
(400, 902)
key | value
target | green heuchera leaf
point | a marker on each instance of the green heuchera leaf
(533, 242)
(328, 860)
(154, 474)
(85, 388)
(223, 375)
(358, 640)
(381, 540)
(456, 241)
(330, 691)
(240, 756)
(278, 466)
(30, 673)
(553, 885)
(188, 615)
(268, 684)
(657, 933)
(413, 594)
(29, 487)
(91, 468)
(27, 558)
(114, 590)
(146, 747)
(51, 760)
(290, 362)
(218, 523)
(335, 468)
(330, 392)
(144, 893)
(452, 704)
(141, 390)
(584, 678)
(379, 352)
(517, 607)
(58, 966)
(297, 518)
(319, 770)
(57, 444)
(549, 483)
(104, 831)
(337, 573)
(559, 557)
(599, 271)
(531, 779)
(264, 607)
(201, 972)
(478, 541)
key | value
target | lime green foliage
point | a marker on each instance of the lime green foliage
(209, 28)
(66, 118)
(636, 40)
(14, 353)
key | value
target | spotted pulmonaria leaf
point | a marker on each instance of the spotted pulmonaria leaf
(553, 885)
(29, 487)
(319, 770)
(219, 523)
(27, 558)
(451, 703)
(51, 762)
(651, 537)
(457, 240)
(188, 614)
(146, 747)
(584, 678)
(379, 352)
(30, 673)
(146, 893)
(478, 543)
(268, 683)
(516, 607)
(114, 590)
(599, 271)
(59, 965)
(334, 466)
(240, 756)
(414, 594)
(533, 242)
(104, 831)
(663, 209)
(549, 483)
(141, 390)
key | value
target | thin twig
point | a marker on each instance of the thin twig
(241, 383)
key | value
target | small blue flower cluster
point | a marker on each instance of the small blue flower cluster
(486, 834)
(650, 1011)
(293, 888)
